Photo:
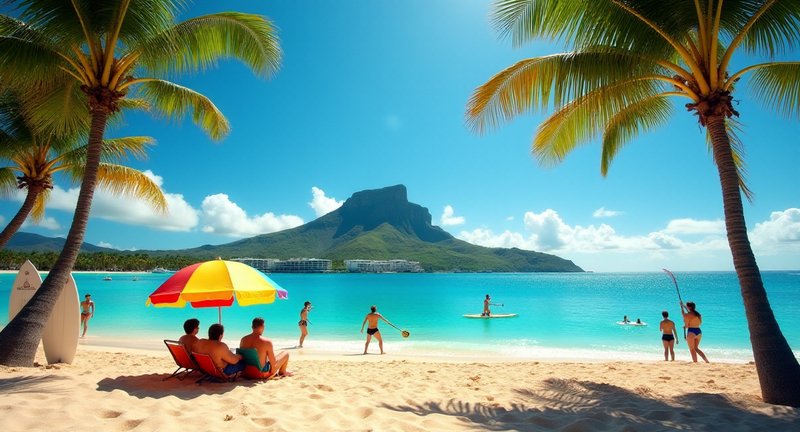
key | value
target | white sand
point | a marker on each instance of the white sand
(116, 390)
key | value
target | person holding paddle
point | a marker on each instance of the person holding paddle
(372, 330)
(486, 303)
(692, 333)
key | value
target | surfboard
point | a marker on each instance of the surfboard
(25, 285)
(60, 337)
(510, 315)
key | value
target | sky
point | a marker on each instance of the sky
(372, 93)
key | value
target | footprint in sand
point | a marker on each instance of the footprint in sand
(109, 414)
(131, 424)
(323, 387)
(264, 422)
(314, 396)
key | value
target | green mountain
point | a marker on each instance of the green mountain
(381, 224)
(30, 242)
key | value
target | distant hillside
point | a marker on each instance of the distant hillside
(29, 242)
(382, 224)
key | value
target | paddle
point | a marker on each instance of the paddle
(675, 281)
(404, 333)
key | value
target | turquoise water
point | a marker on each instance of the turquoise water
(560, 315)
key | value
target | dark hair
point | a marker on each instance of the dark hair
(215, 331)
(87, 295)
(258, 322)
(691, 306)
(306, 303)
(487, 295)
(664, 314)
(373, 308)
(191, 324)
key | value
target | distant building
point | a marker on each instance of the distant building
(390, 266)
(293, 265)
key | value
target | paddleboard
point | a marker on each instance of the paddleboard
(635, 324)
(25, 285)
(490, 316)
(60, 337)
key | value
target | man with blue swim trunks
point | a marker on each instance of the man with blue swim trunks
(219, 352)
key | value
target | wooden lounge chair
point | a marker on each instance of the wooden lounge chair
(210, 371)
(254, 368)
(185, 363)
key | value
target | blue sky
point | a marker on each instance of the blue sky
(372, 93)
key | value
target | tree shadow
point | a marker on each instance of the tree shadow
(153, 386)
(586, 405)
(29, 384)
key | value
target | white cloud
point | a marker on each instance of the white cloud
(780, 232)
(107, 245)
(449, 219)
(180, 215)
(322, 204)
(510, 218)
(603, 212)
(692, 226)
(223, 216)
(47, 222)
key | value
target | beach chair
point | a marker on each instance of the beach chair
(210, 371)
(185, 363)
(253, 370)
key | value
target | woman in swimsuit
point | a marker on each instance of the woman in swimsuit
(669, 336)
(691, 324)
(372, 329)
(303, 323)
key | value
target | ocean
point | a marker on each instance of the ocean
(561, 315)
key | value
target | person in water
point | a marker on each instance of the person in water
(266, 352)
(87, 312)
(692, 320)
(303, 323)
(638, 321)
(669, 336)
(372, 330)
(486, 303)
(191, 327)
(625, 319)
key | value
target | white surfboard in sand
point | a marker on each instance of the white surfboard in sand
(60, 337)
(25, 285)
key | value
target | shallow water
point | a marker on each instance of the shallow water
(560, 315)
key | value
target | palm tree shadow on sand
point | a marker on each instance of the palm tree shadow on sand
(586, 405)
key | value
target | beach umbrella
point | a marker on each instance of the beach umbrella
(216, 283)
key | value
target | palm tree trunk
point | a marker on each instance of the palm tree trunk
(777, 367)
(20, 338)
(22, 214)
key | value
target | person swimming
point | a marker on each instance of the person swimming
(692, 320)
(669, 336)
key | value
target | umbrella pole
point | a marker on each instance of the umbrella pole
(219, 309)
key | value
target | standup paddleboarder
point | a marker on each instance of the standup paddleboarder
(486, 303)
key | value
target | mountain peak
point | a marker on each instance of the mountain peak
(368, 209)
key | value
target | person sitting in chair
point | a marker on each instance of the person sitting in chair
(265, 350)
(191, 327)
(228, 362)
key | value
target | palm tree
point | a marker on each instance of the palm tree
(628, 58)
(38, 158)
(90, 56)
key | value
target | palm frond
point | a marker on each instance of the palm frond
(775, 33)
(40, 205)
(8, 181)
(201, 42)
(60, 109)
(26, 63)
(174, 101)
(642, 116)
(114, 150)
(777, 86)
(534, 84)
(126, 181)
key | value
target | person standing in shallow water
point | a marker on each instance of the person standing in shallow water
(692, 320)
(669, 336)
(87, 312)
(303, 323)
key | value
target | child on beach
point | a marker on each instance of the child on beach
(87, 312)
(692, 320)
(669, 336)
(372, 330)
(303, 323)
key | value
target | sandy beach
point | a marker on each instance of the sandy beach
(109, 389)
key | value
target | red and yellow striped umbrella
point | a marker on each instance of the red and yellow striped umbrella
(215, 284)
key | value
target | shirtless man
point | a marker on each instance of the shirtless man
(372, 330)
(303, 323)
(220, 354)
(87, 312)
(191, 327)
(265, 350)
(669, 336)
(486, 303)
